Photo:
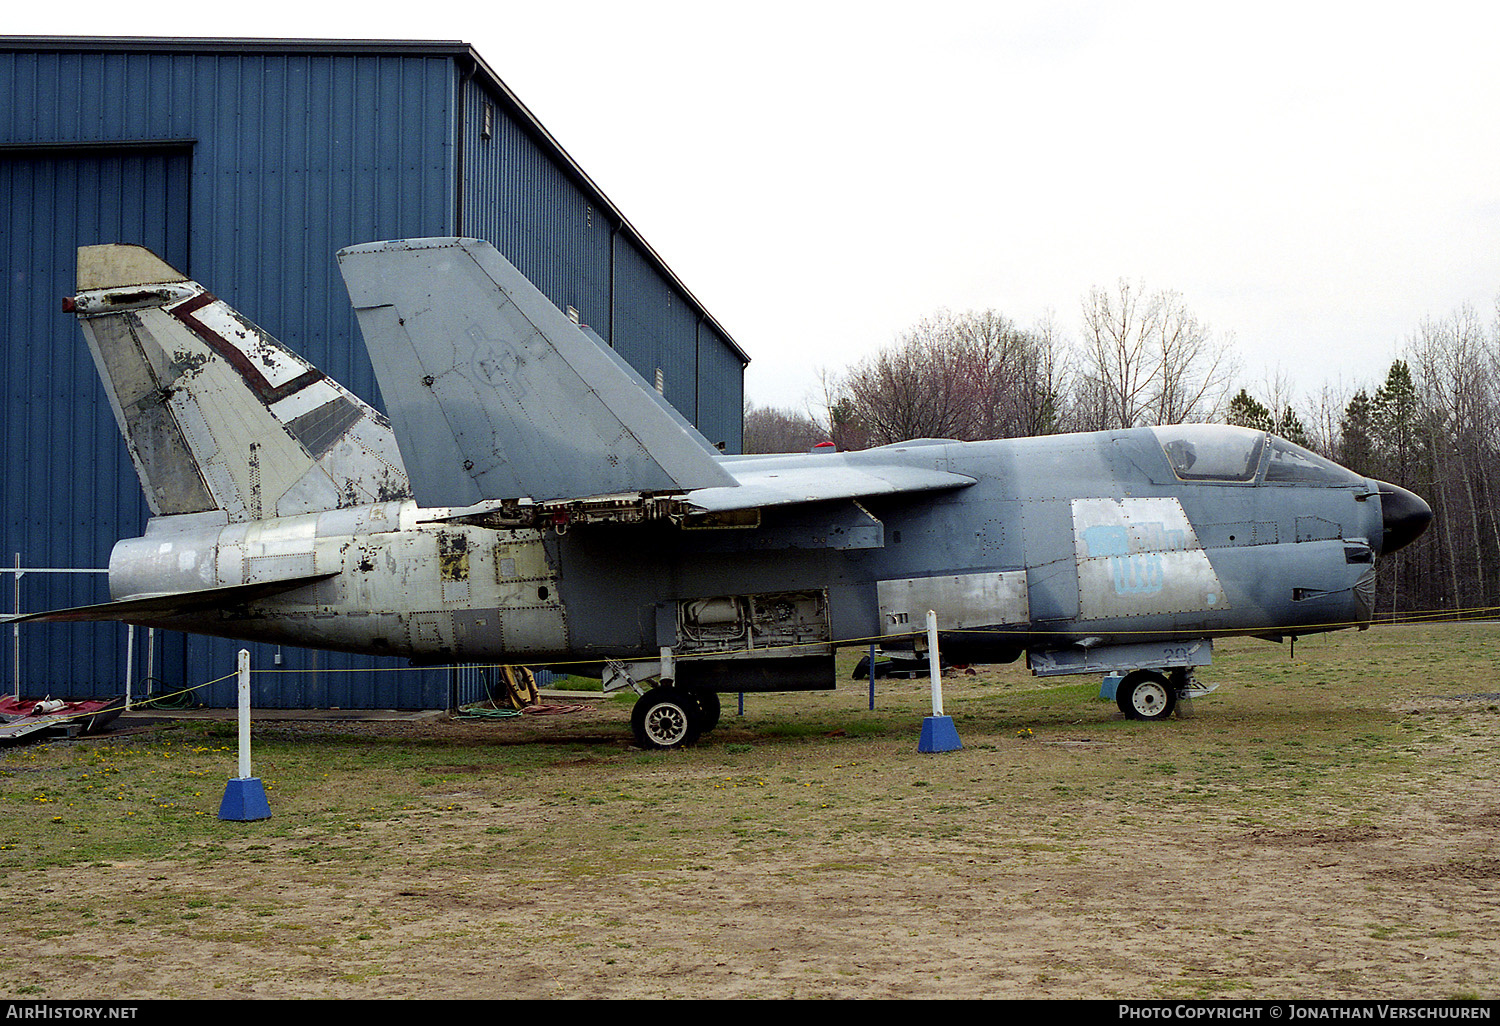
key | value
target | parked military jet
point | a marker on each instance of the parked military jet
(532, 500)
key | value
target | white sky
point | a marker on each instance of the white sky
(1315, 179)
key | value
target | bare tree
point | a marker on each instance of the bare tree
(1456, 366)
(1147, 359)
(967, 376)
(769, 430)
(1324, 432)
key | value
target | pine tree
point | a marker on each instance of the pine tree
(1247, 411)
(1288, 425)
(1395, 419)
(1356, 450)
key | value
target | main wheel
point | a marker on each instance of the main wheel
(708, 706)
(665, 717)
(1146, 695)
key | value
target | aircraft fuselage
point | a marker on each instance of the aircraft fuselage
(531, 499)
(1063, 539)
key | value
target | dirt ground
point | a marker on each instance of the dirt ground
(1251, 851)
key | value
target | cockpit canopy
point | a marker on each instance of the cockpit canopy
(1220, 452)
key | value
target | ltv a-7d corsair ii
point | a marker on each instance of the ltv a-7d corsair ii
(532, 500)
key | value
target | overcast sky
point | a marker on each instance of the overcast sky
(1314, 179)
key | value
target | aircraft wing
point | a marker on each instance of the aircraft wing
(819, 479)
(148, 608)
(495, 394)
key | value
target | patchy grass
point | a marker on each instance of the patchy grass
(399, 855)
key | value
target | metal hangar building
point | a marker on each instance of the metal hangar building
(247, 164)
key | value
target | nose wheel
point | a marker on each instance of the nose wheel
(1146, 695)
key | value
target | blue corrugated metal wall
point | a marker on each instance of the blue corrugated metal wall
(248, 168)
(247, 171)
(69, 490)
(520, 197)
(721, 389)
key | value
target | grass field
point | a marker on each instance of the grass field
(1321, 827)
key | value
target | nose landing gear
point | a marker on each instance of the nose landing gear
(1146, 695)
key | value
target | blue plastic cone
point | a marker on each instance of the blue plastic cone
(244, 799)
(939, 735)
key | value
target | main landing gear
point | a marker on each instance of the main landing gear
(669, 716)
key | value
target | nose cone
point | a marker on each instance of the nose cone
(1405, 517)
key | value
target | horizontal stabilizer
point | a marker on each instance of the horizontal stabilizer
(155, 608)
(495, 394)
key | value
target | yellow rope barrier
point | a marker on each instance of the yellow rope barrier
(188, 689)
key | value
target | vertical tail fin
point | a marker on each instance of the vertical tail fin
(216, 413)
(502, 395)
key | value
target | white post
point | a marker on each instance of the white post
(244, 796)
(934, 664)
(15, 632)
(938, 734)
(129, 660)
(244, 669)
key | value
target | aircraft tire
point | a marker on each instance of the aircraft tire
(1146, 695)
(665, 717)
(710, 708)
